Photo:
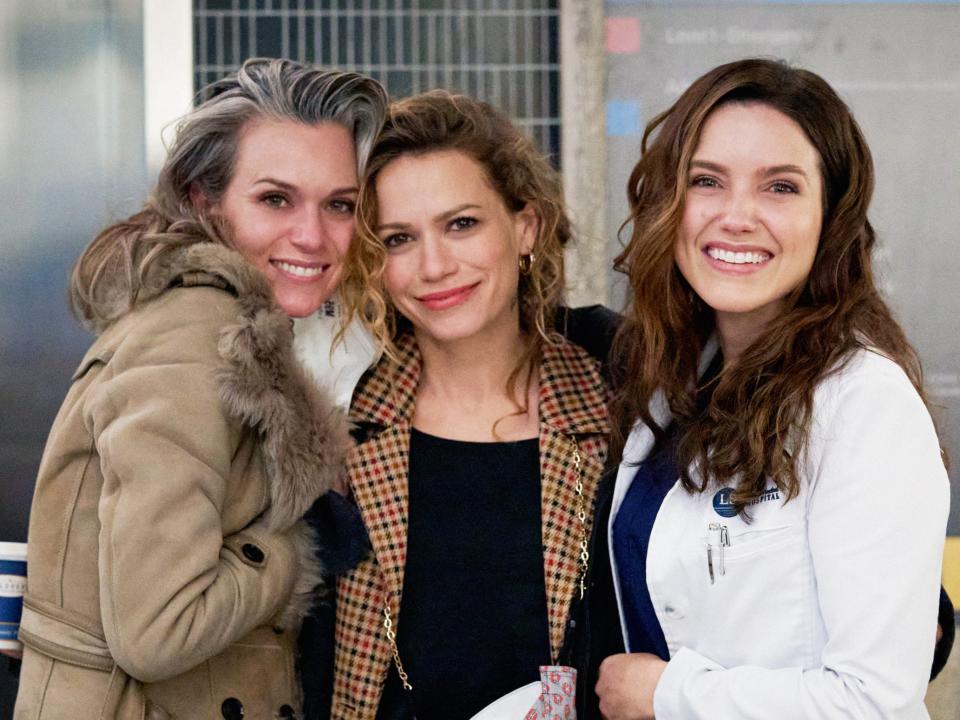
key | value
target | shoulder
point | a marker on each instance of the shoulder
(564, 360)
(185, 300)
(573, 394)
(181, 325)
(869, 406)
(386, 393)
(866, 374)
(592, 327)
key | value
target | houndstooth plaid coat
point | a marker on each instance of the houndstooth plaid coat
(572, 407)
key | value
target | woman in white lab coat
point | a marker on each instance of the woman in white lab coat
(793, 569)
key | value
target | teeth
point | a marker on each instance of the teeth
(738, 258)
(299, 270)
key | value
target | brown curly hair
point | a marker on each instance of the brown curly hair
(756, 422)
(437, 121)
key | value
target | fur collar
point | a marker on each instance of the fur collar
(303, 434)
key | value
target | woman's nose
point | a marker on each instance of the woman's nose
(739, 212)
(310, 233)
(436, 259)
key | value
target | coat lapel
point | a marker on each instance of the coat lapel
(573, 419)
(378, 467)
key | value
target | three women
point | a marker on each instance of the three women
(483, 434)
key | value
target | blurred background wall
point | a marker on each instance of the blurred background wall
(71, 157)
(87, 85)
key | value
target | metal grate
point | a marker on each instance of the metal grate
(505, 52)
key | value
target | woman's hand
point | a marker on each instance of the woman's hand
(626, 685)
(15, 654)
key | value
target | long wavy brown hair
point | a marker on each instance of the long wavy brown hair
(201, 159)
(437, 121)
(756, 421)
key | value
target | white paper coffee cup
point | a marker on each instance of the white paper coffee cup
(13, 583)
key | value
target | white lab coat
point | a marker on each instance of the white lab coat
(827, 607)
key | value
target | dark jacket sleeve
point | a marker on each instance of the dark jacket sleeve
(947, 622)
(593, 328)
(594, 632)
(343, 542)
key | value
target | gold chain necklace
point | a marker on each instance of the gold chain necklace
(583, 562)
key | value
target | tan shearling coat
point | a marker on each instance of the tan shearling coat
(167, 563)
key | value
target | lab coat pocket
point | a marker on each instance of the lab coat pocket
(753, 541)
(759, 593)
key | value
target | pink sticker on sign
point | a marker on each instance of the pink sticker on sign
(623, 35)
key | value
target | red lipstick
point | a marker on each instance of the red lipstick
(444, 299)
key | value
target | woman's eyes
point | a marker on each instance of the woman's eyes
(462, 223)
(339, 206)
(782, 186)
(704, 181)
(395, 240)
(458, 224)
(777, 186)
(274, 200)
(342, 206)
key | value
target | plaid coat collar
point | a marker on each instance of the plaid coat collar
(572, 406)
(572, 399)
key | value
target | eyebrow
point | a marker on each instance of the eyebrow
(445, 215)
(765, 172)
(288, 186)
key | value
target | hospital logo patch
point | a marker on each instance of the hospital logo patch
(722, 505)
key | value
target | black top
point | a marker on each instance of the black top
(473, 616)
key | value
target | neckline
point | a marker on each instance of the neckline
(473, 443)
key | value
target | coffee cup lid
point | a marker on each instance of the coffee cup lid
(13, 551)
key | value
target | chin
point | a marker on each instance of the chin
(732, 302)
(298, 308)
(447, 333)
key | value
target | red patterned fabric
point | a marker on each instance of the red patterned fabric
(572, 404)
(557, 695)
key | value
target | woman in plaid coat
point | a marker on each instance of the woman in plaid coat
(482, 435)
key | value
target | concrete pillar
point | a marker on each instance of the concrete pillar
(583, 147)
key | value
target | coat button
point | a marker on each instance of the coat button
(286, 713)
(232, 709)
(252, 553)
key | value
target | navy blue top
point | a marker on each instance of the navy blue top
(631, 538)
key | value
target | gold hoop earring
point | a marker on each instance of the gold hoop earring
(526, 263)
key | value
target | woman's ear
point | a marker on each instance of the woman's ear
(200, 200)
(527, 223)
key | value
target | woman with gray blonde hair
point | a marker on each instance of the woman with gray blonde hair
(168, 564)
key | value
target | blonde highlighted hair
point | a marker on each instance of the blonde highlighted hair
(107, 276)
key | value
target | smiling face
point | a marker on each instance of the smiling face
(452, 247)
(289, 206)
(752, 215)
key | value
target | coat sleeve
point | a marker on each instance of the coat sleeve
(173, 590)
(879, 500)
